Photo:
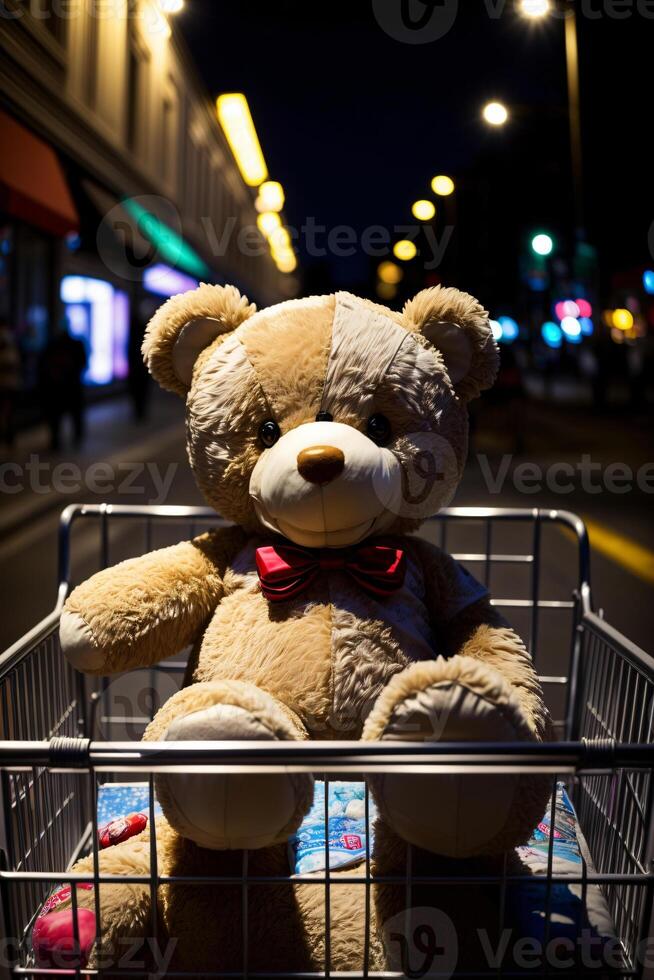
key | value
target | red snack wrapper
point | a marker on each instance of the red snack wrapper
(116, 831)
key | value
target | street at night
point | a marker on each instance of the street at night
(326, 482)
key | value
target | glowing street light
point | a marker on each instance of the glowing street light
(270, 197)
(423, 210)
(390, 273)
(442, 186)
(404, 250)
(542, 244)
(534, 8)
(236, 120)
(286, 261)
(495, 113)
(268, 222)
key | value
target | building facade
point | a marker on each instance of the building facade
(117, 186)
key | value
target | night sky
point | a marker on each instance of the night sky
(354, 123)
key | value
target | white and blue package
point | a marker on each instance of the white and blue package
(347, 828)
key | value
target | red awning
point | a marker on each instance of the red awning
(32, 183)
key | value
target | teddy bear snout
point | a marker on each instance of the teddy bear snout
(320, 464)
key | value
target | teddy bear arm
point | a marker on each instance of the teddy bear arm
(467, 625)
(148, 608)
(481, 633)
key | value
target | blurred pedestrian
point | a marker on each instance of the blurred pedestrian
(63, 363)
(138, 379)
(10, 383)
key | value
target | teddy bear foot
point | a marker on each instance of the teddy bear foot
(231, 811)
(455, 815)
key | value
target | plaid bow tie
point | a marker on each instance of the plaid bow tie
(286, 570)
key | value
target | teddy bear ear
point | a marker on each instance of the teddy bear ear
(185, 326)
(458, 327)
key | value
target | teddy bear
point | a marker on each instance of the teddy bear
(324, 430)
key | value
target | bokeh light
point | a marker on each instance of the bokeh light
(551, 334)
(496, 329)
(389, 272)
(586, 325)
(622, 319)
(542, 244)
(404, 250)
(442, 185)
(571, 328)
(510, 328)
(270, 197)
(495, 113)
(648, 281)
(267, 222)
(584, 307)
(423, 210)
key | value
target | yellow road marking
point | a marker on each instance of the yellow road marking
(624, 551)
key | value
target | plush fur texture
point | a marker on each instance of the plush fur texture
(433, 660)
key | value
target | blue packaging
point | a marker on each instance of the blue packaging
(347, 829)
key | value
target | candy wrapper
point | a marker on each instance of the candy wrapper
(121, 829)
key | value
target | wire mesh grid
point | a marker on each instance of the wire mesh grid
(603, 699)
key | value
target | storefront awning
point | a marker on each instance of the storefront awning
(32, 183)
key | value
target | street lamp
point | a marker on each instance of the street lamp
(534, 8)
(495, 113)
(540, 8)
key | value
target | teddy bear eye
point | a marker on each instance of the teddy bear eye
(379, 429)
(269, 433)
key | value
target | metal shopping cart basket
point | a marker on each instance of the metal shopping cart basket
(599, 686)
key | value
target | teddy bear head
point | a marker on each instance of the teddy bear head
(326, 419)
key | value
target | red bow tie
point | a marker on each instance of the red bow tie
(286, 570)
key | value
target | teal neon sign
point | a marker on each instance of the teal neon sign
(169, 244)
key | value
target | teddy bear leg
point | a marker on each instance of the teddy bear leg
(230, 810)
(455, 815)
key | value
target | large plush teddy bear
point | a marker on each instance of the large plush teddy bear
(326, 429)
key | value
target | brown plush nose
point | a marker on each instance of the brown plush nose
(320, 464)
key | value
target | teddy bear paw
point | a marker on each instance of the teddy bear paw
(232, 810)
(455, 814)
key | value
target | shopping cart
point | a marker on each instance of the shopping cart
(64, 736)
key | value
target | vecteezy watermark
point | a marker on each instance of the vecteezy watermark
(341, 241)
(126, 706)
(126, 953)
(426, 21)
(150, 480)
(132, 233)
(564, 477)
(421, 942)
